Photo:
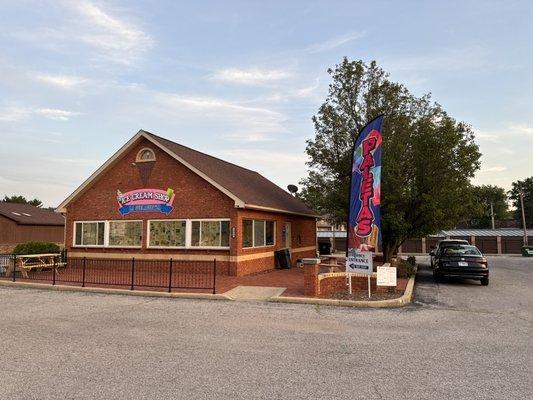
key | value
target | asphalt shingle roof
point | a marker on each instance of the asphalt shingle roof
(249, 186)
(25, 214)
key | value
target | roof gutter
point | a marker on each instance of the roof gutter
(271, 209)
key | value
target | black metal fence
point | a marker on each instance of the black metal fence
(140, 274)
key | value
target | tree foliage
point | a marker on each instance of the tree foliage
(22, 200)
(428, 157)
(479, 215)
(526, 187)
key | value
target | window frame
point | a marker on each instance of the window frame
(75, 230)
(220, 220)
(145, 232)
(266, 221)
(138, 158)
(107, 232)
(148, 234)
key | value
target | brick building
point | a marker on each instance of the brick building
(156, 199)
(21, 223)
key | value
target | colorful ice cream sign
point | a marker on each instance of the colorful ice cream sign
(145, 200)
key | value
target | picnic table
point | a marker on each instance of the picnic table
(37, 262)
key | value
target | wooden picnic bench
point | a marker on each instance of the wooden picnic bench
(37, 262)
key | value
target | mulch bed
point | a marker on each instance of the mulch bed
(363, 295)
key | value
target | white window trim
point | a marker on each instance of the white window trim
(139, 153)
(253, 234)
(74, 231)
(187, 237)
(146, 238)
(106, 234)
(189, 233)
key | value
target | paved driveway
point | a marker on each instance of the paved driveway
(457, 341)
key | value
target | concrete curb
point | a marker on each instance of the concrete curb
(405, 299)
(120, 292)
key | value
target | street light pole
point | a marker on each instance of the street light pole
(492, 215)
(523, 217)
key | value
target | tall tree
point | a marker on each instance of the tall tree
(428, 157)
(526, 187)
(483, 197)
(22, 200)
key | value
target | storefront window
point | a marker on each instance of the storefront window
(257, 233)
(167, 233)
(210, 233)
(270, 233)
(90, 233)
(247, 233)
(125, 233)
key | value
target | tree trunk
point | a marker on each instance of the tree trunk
(389, 250)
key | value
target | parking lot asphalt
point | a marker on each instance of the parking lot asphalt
(457, 340)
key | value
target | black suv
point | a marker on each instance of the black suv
(442, 243)
(460, 261)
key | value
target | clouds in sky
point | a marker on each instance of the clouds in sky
(61, 81)
(252, 76)
(242, 81)
(17, 114)
(86, 28)
(118, 39)
(335, 42)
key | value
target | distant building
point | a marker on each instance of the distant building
(489, 241)
(21, 223)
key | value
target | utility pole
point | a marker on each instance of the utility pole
(492, 215)
(523, 217)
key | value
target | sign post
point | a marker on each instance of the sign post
(364, 214)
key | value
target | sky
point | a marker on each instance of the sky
(241, 80)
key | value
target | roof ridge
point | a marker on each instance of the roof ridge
(200, 152)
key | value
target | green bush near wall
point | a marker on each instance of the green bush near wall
(36, 248)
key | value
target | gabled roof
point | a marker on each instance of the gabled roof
(25, 214)
(247, 188)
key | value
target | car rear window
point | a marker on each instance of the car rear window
(461, 251)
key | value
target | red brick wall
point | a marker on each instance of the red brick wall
(194, 198)
(330, 286)
(303, 234)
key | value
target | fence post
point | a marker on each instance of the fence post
(83, 272)
(132, 272)
(54, 273)
(214, 275)
(14, 266)
(170, 276)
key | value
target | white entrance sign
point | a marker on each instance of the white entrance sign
(386, 276)
(359, 262)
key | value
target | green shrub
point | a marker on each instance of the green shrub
(36, 248)
(406, 268)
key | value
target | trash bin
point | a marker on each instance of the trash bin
(527, 251)
(283, 259)
(324, 248)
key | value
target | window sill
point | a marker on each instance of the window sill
(259, 247)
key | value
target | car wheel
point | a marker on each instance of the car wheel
(485, 281)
